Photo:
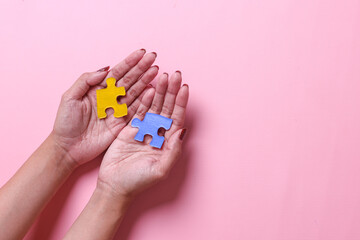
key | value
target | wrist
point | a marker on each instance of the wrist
(62, 156)
(101, 217)
(108, 205)
(107, 194)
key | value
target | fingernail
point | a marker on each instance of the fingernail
(166, 73)
(178, 72)
(156, 67)
(185, 85)
(143, 49)
(154, 54)
(104, 69)
(182, 134)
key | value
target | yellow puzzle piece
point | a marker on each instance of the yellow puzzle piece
(107, 98)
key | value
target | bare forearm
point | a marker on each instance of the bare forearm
(24, 196)
(101, 217)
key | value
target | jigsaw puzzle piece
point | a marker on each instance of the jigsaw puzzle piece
(150, 126)
(107, 98)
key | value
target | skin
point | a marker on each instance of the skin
(77, 128)
(129, 166)
(79, 136)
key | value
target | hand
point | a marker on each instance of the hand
(77, 128)
(130, 166)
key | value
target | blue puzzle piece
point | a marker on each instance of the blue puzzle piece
(150, 126)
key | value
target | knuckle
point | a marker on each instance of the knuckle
(142, 66)
(116, 72)
(166, 109)
(127, 79)
(141, 112)
(178, 119)
(85, 75)
(133, 93)
(65, 96)
(142, 76)
(155, 107)
(131, 109)
(128, 62)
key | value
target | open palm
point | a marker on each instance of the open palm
(130, 166)
(77, 128)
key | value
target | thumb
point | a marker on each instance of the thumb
(85, 81)
(174, 148)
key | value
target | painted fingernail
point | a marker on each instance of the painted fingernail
(165, 73)
(178, 72)
(104, 69)
(182, 134)
(143, 49)
(185, 85)
(154, 54)
(156, 66)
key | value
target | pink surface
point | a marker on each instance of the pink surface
(274, 117)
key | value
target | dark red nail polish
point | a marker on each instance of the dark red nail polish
(104, 69)
(156, 67)
(143, 49)
(182, 134)
(166, 73)
(154, 54)
(185, 85)
(178, 72)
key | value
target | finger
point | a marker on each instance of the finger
(161, 87)
(134, 74)
(119, 70)
(170, 96)
(173, 149)
(178, 115)
(140, 85)
(84, 82)
(117, 124)
(145, 104)
(132, 109)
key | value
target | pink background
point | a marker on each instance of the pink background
(274, 113)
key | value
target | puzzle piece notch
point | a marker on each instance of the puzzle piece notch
(150, 126)
(107, 98)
